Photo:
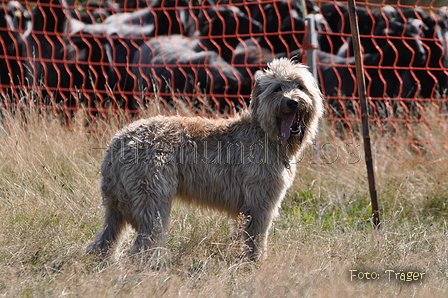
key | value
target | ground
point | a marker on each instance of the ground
(322, 245)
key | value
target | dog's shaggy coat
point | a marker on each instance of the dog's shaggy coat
(241, 165)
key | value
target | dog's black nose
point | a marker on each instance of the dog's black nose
(292, 104)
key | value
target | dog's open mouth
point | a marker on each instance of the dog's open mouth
(291, 124)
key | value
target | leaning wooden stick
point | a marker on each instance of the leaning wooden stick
(364, 113)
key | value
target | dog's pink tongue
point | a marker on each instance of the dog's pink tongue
(287, 122)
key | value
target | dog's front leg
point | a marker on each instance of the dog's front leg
(255, 234)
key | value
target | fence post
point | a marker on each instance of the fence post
(311, 43)
(364, 113)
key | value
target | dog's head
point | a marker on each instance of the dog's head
(287, 102)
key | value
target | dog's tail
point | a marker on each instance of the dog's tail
(111, 185)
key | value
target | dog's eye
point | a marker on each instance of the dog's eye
(278, 89)
(300, 87)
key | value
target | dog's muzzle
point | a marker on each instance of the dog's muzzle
(293, 122)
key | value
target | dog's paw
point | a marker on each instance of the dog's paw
(95, 248)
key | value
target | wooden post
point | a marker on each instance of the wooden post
(364, 113)
(311, 43)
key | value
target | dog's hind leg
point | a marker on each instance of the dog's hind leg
(151, 224)
(112, 226)
(150, 213)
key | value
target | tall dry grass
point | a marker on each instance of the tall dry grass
(50, 209)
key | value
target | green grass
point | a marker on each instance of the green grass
(50, 209)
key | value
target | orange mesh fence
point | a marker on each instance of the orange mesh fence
(108, 58)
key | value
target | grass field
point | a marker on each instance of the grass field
(50, 209)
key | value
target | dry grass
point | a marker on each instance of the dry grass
(50, 207)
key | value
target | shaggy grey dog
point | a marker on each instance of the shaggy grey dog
(240, 165)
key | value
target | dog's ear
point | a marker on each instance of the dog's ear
(255, 91)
